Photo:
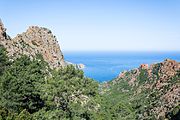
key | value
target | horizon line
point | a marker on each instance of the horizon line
(121, 51)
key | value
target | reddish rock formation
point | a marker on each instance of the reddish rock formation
(161, 78)
(144, 66)
(3, 35)
(36, 40)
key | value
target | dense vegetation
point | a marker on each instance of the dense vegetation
(130, 102)
(30, 90)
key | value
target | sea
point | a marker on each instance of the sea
(105, 66)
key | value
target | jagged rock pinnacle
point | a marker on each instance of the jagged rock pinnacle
(2, 30)
(36, 40)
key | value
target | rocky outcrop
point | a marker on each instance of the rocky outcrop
(3, 35)
(156, 89)
(144, 66)
(161, 71)
(36, 40)
(77, 66)
(2, 31)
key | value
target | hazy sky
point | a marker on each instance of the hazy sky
(86, 25)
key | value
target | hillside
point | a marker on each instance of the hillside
(150, 92)
(36, 83)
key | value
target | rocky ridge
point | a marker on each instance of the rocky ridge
(163, 71)
(164, 78)
(36, 40)
(154, 89)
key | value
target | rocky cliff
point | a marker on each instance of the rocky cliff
(36, 40)
(153, 92)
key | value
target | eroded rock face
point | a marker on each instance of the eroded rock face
(144, 66)
(161, 80)
(3, 35)
(2, 30)
(36, 40)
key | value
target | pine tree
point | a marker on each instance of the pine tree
(19, 85)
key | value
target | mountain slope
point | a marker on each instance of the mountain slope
(150, 92)
(29, 89)
(36, 83)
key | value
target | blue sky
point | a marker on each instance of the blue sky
(102, 25)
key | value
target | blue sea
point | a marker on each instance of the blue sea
(104, 66)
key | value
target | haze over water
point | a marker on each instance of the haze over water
(105, 66)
